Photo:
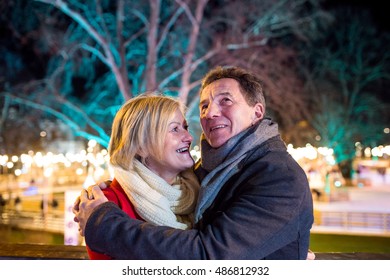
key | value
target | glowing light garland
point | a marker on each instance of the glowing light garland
(88, 162)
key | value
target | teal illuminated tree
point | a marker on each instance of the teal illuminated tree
(345, 67)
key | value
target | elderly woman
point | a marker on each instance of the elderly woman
(150, 155)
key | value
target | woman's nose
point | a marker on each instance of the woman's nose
(187, 136)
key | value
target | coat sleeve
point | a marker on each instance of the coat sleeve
(266, 214)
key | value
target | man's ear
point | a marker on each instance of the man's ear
(259, 111)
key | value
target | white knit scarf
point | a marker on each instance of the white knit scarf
(155, 200)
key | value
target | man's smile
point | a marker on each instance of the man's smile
(218, 126)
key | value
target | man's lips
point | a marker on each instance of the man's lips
(217, 127)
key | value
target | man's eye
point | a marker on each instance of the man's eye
(175, 129)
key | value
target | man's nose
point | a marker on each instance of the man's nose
(212, 111)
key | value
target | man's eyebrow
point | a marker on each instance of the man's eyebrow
(201, 102)
(225, 93)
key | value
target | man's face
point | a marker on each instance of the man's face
(224, 112)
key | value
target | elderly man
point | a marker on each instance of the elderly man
(254, 202)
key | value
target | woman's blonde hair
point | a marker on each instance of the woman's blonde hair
(139, 128)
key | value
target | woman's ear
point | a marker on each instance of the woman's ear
(142, 155)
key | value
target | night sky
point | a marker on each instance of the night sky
(376, 7)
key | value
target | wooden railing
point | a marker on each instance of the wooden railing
(42, 252)
(62, 252)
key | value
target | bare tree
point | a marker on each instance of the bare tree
(117, 49)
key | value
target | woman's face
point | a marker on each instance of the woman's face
(176, 151)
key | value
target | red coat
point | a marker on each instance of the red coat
(116, 194)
